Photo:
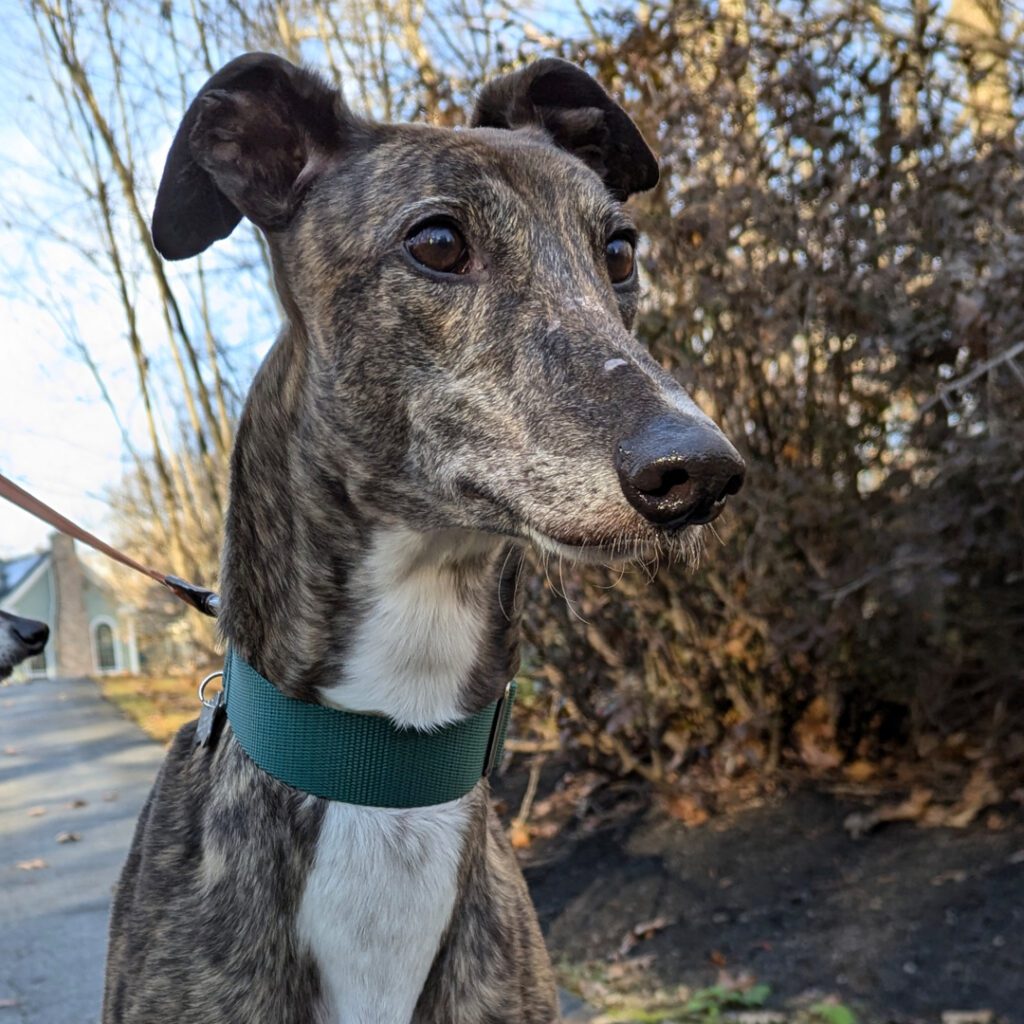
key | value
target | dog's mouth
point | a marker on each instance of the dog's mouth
(616, 537)
(620, 549)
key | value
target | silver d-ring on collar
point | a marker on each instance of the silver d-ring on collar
(202, 689)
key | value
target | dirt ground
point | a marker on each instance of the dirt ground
(903, 925)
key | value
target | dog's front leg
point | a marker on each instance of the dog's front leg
(492, 967)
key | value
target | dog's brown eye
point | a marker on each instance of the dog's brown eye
(620, 256)
(439, 246)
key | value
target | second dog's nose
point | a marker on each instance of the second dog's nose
(678, 472)
(32, 633)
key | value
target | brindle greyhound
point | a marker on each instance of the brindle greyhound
(456, 378)
(19, 639)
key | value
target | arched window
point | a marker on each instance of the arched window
(106, 650)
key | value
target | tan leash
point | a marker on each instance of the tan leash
(203, 600)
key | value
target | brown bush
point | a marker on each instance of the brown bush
(839, 233)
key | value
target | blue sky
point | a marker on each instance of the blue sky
(58, 438)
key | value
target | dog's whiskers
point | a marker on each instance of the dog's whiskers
(565, 595)
(515, 584)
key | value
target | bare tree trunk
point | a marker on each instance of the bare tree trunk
(977, 25)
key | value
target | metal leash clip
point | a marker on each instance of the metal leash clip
(212, 716)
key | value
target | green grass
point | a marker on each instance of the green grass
(623, 995)
(716, 1005)
(703, 1006)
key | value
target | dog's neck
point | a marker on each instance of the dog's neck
(332, 607)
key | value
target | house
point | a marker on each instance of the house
(92, 632)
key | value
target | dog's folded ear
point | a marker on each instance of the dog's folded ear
(578, 115)
(249, 144)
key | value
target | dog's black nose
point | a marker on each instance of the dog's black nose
(31, 633)
(678, 471)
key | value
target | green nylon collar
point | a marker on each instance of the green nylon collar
(358, 758)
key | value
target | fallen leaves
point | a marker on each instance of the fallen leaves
(687, 808)
(638, 933)
(860, 823)
(860, 770)
(815, 737)
(35, 864)
(519, 835)
(626, 993)
(956, 876)
(629, 969)
(979, 793)
(546, 817)
(69, 837)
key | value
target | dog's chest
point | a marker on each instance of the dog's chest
(376, 905)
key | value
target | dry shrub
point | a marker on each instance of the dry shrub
(838, 234)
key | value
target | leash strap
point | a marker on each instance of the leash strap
(199, 598)
(359, 758)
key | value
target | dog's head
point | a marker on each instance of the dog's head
(19, 639)
(465, 300)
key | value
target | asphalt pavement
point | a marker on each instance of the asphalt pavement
(74, 774)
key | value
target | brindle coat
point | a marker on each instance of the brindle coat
(408, 425)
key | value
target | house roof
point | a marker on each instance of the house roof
(14, 570)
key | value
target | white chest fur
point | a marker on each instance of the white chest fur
(376, 905)
(422, 629)
(384, 882)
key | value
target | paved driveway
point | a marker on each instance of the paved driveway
(69, 763)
